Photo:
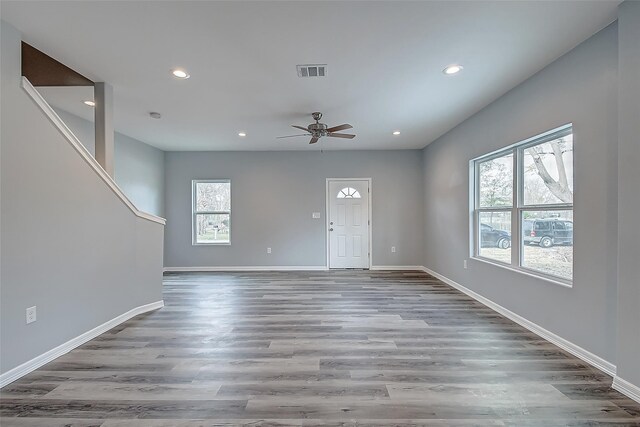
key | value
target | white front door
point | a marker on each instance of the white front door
(348, 224)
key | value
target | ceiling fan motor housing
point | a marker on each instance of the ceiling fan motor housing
(318, 129)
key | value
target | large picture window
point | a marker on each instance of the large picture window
(211, 212)
(523, 205)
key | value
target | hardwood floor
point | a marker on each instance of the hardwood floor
(332, 348)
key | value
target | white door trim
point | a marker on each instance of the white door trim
(327, 213)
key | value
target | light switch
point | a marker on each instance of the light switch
(315, 215)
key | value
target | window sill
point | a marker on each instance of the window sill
(526, 272)
(211, 244)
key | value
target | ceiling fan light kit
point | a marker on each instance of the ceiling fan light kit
(318, 130)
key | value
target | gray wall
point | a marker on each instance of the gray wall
(69, 245)
(139, 171)
(580, 87)
(83, 129)
(139, 168)
(629, 194)
(274, 195)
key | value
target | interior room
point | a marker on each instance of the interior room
(305, 213)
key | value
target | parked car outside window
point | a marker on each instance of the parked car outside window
(492, 238)
(547, 232)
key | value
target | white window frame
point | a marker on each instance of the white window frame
(517, 207)
(195, 212)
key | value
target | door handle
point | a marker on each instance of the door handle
(331, 229)
(331, 223)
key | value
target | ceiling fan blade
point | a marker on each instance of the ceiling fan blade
(341, 135)
(291, 136)
(314, 140)
(341, 127)
(300, 127)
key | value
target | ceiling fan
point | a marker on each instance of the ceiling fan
(317, 130)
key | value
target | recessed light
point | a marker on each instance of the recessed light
(180, 73)
(453, 69)
(242, 134)
(89, 103)
(396, 132)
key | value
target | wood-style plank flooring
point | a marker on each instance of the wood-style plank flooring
(339, 348)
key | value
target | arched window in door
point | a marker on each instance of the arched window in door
(349, 193)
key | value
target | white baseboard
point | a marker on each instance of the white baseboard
(592, 359)
(398, 267)
(625, 387)
(247, 268)
(33, 364)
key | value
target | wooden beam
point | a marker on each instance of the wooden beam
(43, 70)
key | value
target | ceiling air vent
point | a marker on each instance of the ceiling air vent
(312, 70)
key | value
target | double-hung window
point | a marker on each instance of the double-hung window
(211, 212)
(523, 205)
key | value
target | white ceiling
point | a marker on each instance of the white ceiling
(385, 62)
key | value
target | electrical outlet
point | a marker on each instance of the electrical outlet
(393, 249)
(268, 250)
(31, 314)
(315, 215)
(464, 263)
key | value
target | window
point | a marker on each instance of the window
(348, 193)
(211, 212)
(495, 177)
(527, 188)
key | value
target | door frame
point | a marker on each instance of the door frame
(327, 214)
